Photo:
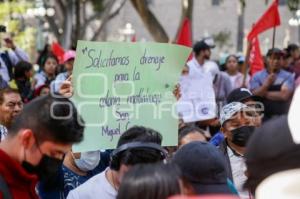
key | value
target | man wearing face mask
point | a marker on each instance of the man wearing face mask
(137, 145)
(237, 124)
(37, 142)
(77, 168)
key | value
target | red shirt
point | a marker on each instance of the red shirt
(20, 183)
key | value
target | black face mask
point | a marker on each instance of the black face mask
(46, 169)
(241, 135)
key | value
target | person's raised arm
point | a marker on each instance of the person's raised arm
(16, 54)
(66, 88)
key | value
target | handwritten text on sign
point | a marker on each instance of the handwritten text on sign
(119, 85)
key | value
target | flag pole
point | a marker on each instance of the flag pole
(246, 62)
(274, 34)
(273, 44)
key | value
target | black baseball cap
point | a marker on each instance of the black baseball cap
(203, 165)
(200, 45)
(241, 94)
(271, 149)
(275, 51)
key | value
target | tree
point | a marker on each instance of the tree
(12, 16)
(73, 20)
(151, 22)
(241, 25)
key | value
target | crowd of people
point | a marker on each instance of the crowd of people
(229, 155)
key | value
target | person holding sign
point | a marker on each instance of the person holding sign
(69, 58)
(137, 145)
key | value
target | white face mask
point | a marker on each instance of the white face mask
(88, 160)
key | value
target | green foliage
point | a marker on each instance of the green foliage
(11, 15)
(98, 5)
(293, 5)
(222, 38)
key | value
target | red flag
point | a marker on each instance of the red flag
(255, 60)
(133, 38)
(185, 35)
(269, 19)
(58, 51)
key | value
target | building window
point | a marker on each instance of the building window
(215, 2)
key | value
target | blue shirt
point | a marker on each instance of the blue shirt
(67, 180)
(282, 77)
(55, 85)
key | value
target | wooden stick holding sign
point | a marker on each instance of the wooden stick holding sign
(246, 63)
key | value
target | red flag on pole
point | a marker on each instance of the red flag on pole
(255, 59)
(269, 19)
(58, 51)
(185, 35)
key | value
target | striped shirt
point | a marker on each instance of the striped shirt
(3, 132)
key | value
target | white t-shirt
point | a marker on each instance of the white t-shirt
(96, 187)
(238, 168)
(237, 80)
(209, 67)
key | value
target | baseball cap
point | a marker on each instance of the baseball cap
(275, 51)
(200, 45)
(209, 41)
(241, 94)
(70, 54)
(229, 110)
(271, 149)
(203, 165)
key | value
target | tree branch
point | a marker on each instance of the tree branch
(61, 5)
(150, 21)
(97, 15)
(53, 26)
(106, 19)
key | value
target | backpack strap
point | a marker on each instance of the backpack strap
(4, 189)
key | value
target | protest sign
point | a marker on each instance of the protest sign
(119, 85)
(197, 101)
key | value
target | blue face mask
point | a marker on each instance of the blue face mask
(88, 160)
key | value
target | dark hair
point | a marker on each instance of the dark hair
(151, 181)
(200, 46)
(50, 118)
(183, 131)
(229, 56)
(286, 53)
(292, 47)
(140, 134)
(21, 68)
(138, 155)
(50, 55)
(6, 91)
